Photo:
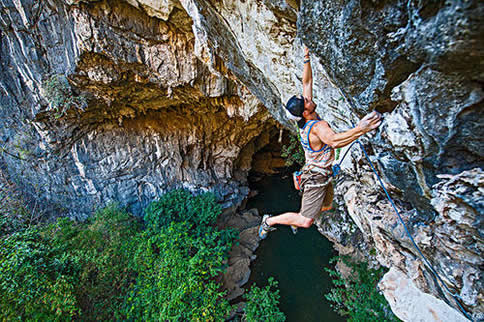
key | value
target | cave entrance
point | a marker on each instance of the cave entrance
(263, 156)
(268, 157)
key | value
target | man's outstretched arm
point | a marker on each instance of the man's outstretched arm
(339, 140)
(307, 78)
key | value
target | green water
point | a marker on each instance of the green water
(295, 261)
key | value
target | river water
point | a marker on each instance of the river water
(295, 261)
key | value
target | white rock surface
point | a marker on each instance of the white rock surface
(410, 304)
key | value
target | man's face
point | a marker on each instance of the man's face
(309, 105)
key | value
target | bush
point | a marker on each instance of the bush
(35, 280)
(182, 206)
(60, 95)
(293, 153)
(102, 250)
(66, 270)
(178, 261)
(357, 296)
(176, 276)
(262, 303)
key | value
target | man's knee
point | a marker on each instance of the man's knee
(307, 222)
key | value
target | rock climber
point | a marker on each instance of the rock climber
(318, 141)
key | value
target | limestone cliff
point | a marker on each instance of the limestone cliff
(152, 95)
(157, 117)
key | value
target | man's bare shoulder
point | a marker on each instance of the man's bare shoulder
(322, 125)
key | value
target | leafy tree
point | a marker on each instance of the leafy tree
(357, 296)
(65, 270)
(177, 273)
(35, 279)
(101, 250)
(181, 205)
(262, 303)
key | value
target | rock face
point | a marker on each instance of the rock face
(421, 63)
(123, 100)
(401, 292)
(242, 254)
(157, 117)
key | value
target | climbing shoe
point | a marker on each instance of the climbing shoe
(294, 229)
(264, 228)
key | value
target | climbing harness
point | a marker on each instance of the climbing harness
(336, 170)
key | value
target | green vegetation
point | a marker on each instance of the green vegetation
(60, 95)
(357, 296)
(65, 270)
(114, 266)
(262, 303)
(338, 150)
(179, 256)
(293, 153)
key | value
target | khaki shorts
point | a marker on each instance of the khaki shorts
(317, 194)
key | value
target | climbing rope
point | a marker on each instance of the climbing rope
(337, 168)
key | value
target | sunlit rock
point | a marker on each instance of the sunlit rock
(409, 303)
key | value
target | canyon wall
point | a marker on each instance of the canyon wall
(123, 100)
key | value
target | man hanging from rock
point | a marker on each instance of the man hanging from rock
(318, 141)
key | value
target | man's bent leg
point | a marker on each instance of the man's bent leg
(290, 218)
